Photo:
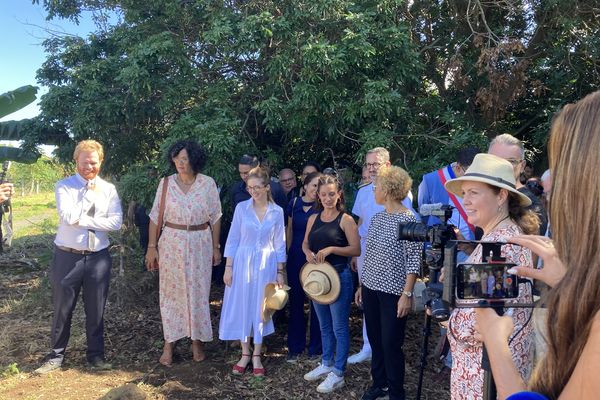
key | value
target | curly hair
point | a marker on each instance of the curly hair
(394, 181)
(196, 154)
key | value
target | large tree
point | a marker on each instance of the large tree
(314, 79)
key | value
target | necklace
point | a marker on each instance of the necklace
(497, 223)
(180, 180)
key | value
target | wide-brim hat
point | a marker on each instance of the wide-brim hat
(320, 282)
(275, 299)
(490, 169)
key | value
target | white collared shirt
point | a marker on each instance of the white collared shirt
(73, 202)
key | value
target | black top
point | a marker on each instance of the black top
(325, 234)
(537, 207)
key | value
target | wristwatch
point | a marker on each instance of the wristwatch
(407, 293)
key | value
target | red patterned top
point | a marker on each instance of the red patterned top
(467, 375)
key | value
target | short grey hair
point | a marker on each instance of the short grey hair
(381, 153)
(545, 175)
(508, 140)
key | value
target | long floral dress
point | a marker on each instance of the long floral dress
(256, 248)
(186, 258)
(467, 375)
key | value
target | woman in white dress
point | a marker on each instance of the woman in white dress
(255, 253)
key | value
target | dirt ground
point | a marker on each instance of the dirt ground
(134, 342)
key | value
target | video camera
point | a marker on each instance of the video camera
(484, 284)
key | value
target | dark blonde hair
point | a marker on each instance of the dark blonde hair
(394, 181)
(526, 220)
(89, 145)
(263, 175)
(573, 303)
(331, 180)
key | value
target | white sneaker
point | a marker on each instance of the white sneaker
(361, 356)
(331, 383)
(318, 372)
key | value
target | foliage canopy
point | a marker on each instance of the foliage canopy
(314, 79)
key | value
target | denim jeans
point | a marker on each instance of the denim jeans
(334, 320)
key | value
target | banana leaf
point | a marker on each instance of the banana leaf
(16, 99)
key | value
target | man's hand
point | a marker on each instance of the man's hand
(6, 191)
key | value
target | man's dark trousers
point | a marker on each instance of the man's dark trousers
(69, 273)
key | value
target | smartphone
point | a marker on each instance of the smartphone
(486, 281)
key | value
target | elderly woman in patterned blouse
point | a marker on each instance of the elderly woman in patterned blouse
(388, 277)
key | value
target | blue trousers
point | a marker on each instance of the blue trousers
(69, 273)
(334, 320)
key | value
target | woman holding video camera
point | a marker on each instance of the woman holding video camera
(571, 267)
(493, 204)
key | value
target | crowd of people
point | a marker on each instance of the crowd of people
(297, 243)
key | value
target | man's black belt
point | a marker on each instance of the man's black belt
(75, 251)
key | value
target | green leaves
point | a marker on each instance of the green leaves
(16, 99)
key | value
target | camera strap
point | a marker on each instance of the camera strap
(457, 204)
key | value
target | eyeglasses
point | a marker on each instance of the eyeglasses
(254, 188)
(373, 165)
(287, 180)
(514, 161)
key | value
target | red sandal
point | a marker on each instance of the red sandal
(238, 370)
(258, 372)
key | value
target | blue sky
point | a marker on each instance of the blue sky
(23, 28)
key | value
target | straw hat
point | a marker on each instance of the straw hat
(490, 169)
(275, 299)
(321, 282)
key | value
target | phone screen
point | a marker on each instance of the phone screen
(486, 281)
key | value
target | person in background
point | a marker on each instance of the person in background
(310, 167)
(364, 208)
(570, 367)
(287, 180)
(238, 190)
(88, 208)
(494, 204)
(512, 150)
(547, 185)
(299, 210)
(388, 276)
(331, 236)
(365, 177)
(255, 253)
(187, 250)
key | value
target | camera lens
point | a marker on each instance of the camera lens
(413, 231)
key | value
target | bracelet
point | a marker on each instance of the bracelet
(229, 266)
(280, 272)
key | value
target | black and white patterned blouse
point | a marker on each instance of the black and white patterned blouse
(387, 260)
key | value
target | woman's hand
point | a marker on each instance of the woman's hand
(320, 257)
(310, 257)
(553, 270)
(358, 297)
(404, 306)
(217, 257)
(489, 326)
(280, 279)
(151, 259)
(228, 275)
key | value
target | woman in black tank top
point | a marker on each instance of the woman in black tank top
(332, 236)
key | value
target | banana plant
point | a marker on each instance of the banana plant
(11, 130)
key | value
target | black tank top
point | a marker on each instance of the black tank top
(325, 234)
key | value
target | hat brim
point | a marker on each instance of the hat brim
(334, 279)
(266, 312)
(454, 186)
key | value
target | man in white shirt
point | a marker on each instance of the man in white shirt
(365, 208)
(88, 208)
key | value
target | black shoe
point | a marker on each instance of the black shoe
(374, 393)
(100, 365)
(48, 366)
(292, 358)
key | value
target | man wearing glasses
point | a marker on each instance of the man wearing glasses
(365, 208)
(287, 179)
(512, 150)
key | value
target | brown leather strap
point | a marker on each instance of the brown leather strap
(161, 209)
(200, 227)
(75, 251)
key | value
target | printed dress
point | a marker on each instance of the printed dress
(186, 258)
(256, 248)
(467, 375)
